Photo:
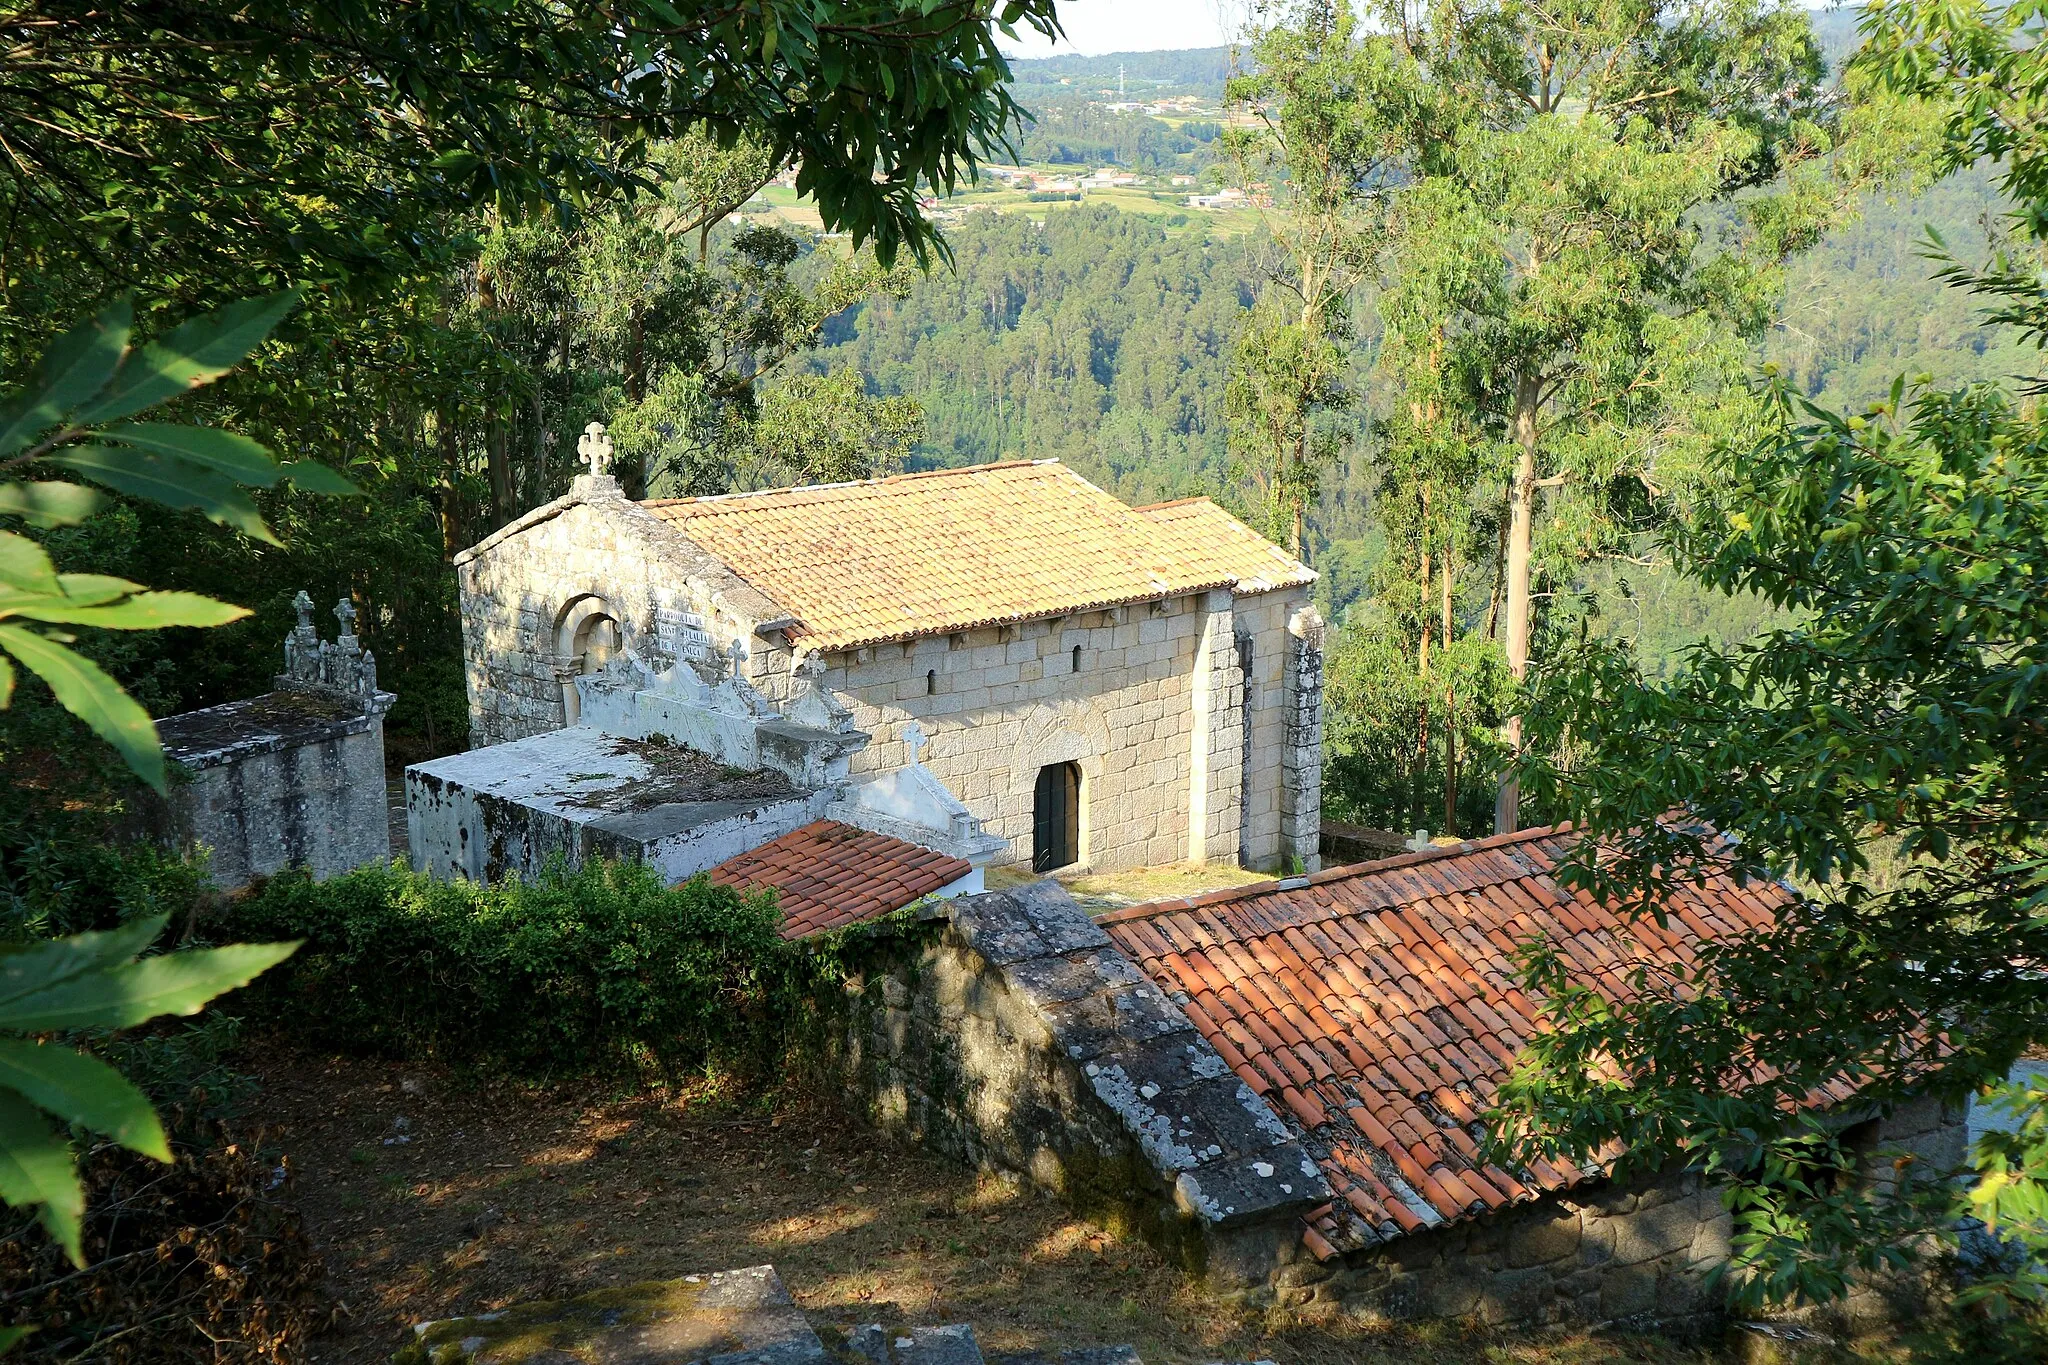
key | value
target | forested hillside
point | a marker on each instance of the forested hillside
(1092, 336)
(1102, 338)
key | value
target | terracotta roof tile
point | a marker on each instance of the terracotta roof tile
(923, 554)
(828, 875)
(1376, 1006)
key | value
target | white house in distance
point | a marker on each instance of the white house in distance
(1100, 685)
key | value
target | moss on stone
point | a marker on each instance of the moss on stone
(567, 1327)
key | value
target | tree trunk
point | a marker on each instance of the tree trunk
(632, 475)
(1450, 716)
(1422, 580)
(498, 460)
(1300, 460)
(1521, 516)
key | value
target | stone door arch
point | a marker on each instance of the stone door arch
(1071, 732)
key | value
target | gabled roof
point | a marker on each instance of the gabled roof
(1377, 1009)
(949, 550)
(1214, 542)
(830, 875)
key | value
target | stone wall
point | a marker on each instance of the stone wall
(1001, 702)
(287, 779)
(590, 555)
(1638, 1256)
(1007, 1033)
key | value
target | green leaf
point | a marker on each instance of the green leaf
(76, 367)
(224, 452)
(91, 589)
(41, 965)
(6, 682)
(310, 476)
(143, 611)
(84, 689)
(170, 482)
(10, 1337)
(36, 1172)
(85, 1091)
(188, 357)
(49, 504)
(26, 565)
(123, 996)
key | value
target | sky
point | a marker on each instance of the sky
(1098, 26)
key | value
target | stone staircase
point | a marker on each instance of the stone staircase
(731, 1317)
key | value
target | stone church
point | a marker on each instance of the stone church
(1102, 686)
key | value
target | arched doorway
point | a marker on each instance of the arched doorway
(586, 639)
(1056, 817)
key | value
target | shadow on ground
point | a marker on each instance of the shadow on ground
(432, 1195)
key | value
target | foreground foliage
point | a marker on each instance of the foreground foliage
(199, 1261)
(1907, 702)
(604, 969)
(1899, 706)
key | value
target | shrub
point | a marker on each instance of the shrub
(601, 969)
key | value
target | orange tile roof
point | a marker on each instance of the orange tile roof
(830, 875)
(1218, 543)
(1377, 1009)
(949, 550)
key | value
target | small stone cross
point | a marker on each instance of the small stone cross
(915, 737)
(594, 448)
(345, 612)
(1420, 843)
(303, 604)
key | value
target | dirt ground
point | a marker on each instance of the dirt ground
(432, 1194)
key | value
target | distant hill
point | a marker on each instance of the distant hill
(1191, 71)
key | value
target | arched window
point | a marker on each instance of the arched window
(1077, 658)
(931, 682)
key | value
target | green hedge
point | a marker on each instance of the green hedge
(601, 969)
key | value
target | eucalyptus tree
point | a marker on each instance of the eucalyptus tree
(1316, 132)
(1553, 286)
(1885, 748)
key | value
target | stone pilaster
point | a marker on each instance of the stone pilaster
(1216, 738)
(1301, 755)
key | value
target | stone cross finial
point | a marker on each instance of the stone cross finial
(1420, 843)
(303, 604)
(915, 738)
(594, 448)
(345, 612)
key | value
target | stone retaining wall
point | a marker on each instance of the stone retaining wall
(1009, 1034)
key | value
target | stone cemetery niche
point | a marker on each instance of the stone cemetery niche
(292, 778)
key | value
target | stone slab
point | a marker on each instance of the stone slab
(732, 1317)
(950, 1345)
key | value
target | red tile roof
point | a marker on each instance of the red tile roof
(829, 875)
(1377, 1009)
